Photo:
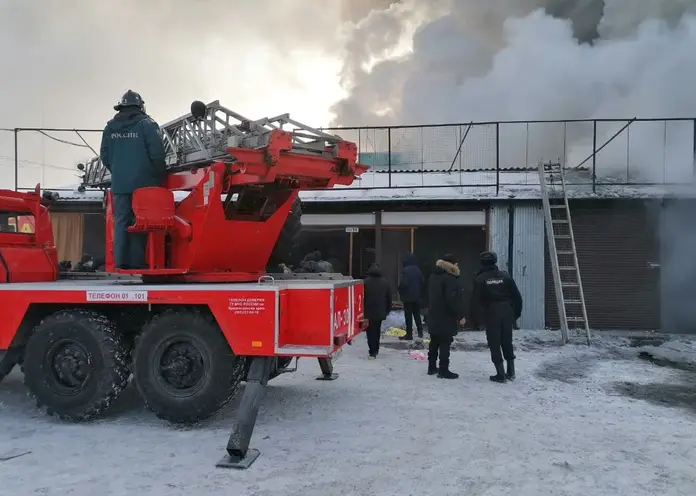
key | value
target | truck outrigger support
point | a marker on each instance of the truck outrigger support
(239, 456)
(327, 373)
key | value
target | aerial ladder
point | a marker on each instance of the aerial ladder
(206, 134)
(256, 169)
(570, 297)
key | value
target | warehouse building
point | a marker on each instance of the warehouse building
(617, 241)
(427, 193)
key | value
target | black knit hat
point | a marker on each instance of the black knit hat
(450, 258)
(488, 258)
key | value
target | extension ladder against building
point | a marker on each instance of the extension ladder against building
(570, 298)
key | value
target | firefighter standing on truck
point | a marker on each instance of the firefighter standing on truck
(133, 151)
(497, 300)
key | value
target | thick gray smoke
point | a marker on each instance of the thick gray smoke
(521, 59)
(355, 10)
(534, 60)
(463, 60)
(471, 60)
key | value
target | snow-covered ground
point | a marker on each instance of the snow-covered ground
(578, 421)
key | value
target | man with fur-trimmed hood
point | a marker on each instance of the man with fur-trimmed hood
(445, 313)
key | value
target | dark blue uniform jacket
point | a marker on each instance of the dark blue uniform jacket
(133, 151)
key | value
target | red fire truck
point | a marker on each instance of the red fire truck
(211, 309)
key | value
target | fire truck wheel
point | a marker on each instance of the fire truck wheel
(75, 364)
(284, 248)
(183, 367)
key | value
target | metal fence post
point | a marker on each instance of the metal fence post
(497, 158)
(594, 156)
(16, 159)
(389, 156)
(664, 153)
(693, 173)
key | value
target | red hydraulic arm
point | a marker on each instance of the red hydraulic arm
(242, 187)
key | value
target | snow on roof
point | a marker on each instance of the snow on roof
(456, 185)
(73, 194)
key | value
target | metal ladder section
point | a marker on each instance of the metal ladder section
(570, 298)
(190, 142)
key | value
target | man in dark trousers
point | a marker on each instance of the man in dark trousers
(497, 300)
(445, 314)
(133, 151)
(410, 284)
(378, 303)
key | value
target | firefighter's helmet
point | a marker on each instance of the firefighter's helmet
(130, 99)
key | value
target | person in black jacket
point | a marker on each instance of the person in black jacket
(410, 284)
(499, 302)
(445, 314)
(378, 303)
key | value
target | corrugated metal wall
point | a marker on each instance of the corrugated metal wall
(527, 254)
(528, 262)
(676, 267)
(499, 228)
(617, 243)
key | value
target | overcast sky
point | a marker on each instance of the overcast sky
(66, 63)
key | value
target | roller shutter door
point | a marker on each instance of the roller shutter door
(618, 247)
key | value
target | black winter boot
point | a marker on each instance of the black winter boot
(407, 337)
(447, 374)
(432, 369)
(510, 375)
(500, 373)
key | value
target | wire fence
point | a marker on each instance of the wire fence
(49, 156)
(597, 152)
(488, 154)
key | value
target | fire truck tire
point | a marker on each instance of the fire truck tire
(284, 249)
(184, 368)
(75, 364)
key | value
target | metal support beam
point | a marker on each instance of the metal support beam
(16, 159)
(327, 373)
(239, 455)
(378, 237)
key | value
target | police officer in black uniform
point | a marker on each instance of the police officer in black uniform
(497, 300)
(133, 151)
